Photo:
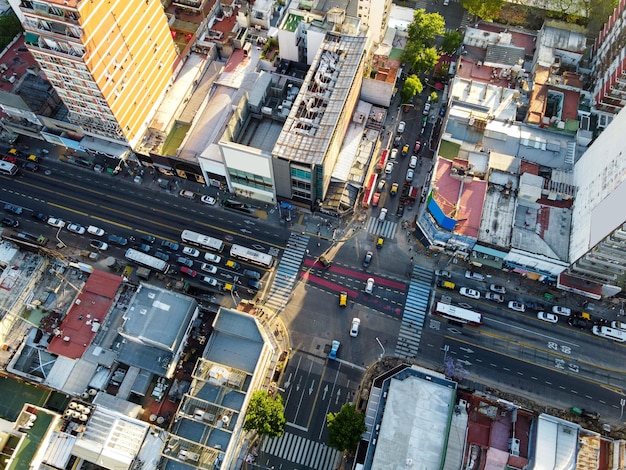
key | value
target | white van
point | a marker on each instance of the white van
(413, 162)
(610, 333)
(383, 214)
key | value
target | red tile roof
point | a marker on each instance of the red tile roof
(86, 315)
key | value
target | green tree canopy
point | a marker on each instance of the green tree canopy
(412, 86)
(265, 414)
(345, 428)
(452, 40)
(425, 27)
(9, 28)
(484, 9)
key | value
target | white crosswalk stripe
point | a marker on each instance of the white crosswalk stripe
(302, 451)
(287, 272)
(384, 228)
(415, 312)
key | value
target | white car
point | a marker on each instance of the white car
(413, 162)
(547, 316)
(442, 273)
(494, 296)
(471, 293)
(426, 108)
(98, 245)
(75, 228)
(517, 306)
(191, 251)
(210, 257)
(389, 168)
(354, 329)
(208, 200)
(58, 223)
(187, 194)
(98, 232)
(393, 155)
(562, 310)
(209, 268)
(497, 288)
(409, 175)
(401, 127)
(210, 280)
(369, 287)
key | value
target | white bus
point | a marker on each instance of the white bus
(7, 168)
(144, 259)
(252, 256)
(203, 241)
(458, 314)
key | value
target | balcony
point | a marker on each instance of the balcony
(33, 40)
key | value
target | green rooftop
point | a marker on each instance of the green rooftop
(292, 22)
(24, 454)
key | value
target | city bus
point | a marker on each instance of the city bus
(203, 241)
(7, 168)
(144, 259)
(458, 314)
(252, 256)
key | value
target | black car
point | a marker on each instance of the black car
(17, 210)
(143, 247)
(148, 239)
(170, 245)
(163, 256)
(9, 222)
(118, 240)
(39, 216)
(31, 166)
(579, 322)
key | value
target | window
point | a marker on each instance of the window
(251, 180)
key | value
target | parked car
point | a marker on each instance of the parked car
(368, 259)
(413, 162)
(17, 210)
(10, 159)
(188, 271)
(354, 328)
(143, 247)
(471, 293)
(401, 127)
(442, 273)
(405, 150)
(98, 232)
(497, 288)
(369, 286)
(9, 222)
(494, 296)
(208, 200)
(54, 222)
(375, 199)
(517, 306)
(191, 251)
(547, 317)
(117, 240)
(426, 108)
(210, 257)
(75, 228)
(187, 194)
(334, 348)
(39, 216)
(163, 256)
(209, 268)
(30, 166)
(389, 168)
(566, 312)
(171, 245)
(409, 175)
(381, 185)
(98, 245)
(417, 147)
(580, 322)
(397, 141)
(474, 275)
(185, 261)
(393, 155)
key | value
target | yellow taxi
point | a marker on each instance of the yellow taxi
(343, 299)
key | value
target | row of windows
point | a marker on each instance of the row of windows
(300, 174)
(251, 180)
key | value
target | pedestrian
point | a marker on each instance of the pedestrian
(307, 252)
(318, 244)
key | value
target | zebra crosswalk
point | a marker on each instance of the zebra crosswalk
(415, 311)
(302, 451)
(385, 228)
(287, 272)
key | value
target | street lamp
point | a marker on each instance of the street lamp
(622, 402)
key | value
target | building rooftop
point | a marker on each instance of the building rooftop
(311, 123)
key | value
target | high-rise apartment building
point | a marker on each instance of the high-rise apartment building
(110, 61)
(609, 66)
(375, 14)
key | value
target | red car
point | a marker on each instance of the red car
(375, 199)
(9, 159)
(418, 146)
(188, 271)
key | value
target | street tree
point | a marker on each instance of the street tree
(412, 86)
(10, 27)
(345, 428)
(420, 48)
(265, 414)
(452, 40)
(486, 10)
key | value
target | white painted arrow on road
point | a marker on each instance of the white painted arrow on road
(243, 230)
(338, 393)
(298, 384)
(249, 222)
(312, 387)
(467, 350)
(325, 392)
(288, 382)
(465, 363)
